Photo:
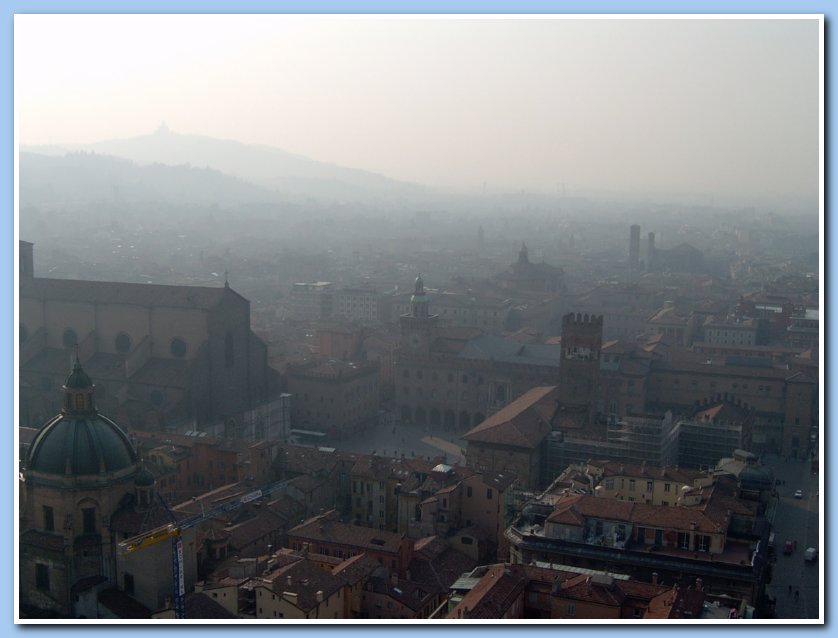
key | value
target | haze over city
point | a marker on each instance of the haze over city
(389, 318)
(710, 108)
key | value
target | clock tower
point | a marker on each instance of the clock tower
(418, 326)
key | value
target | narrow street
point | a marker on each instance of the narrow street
(796, 520)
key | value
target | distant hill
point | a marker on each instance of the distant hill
(272, 168)
(81, 178)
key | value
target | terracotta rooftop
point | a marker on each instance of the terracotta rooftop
(648, 471)
(523, 423)
(357, 568)
(494, 593)
(305, 579)
(325, 528)
(574, 509)
(723, 412)
(133, 294)
(590, 589)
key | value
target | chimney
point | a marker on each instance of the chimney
(288, 580)
(319, 595)
(654, 578)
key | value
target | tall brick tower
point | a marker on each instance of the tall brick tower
(579, 371)
(634, 252)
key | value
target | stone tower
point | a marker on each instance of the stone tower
(417, 327)
(579, 371)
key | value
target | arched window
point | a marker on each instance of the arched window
(70, 338)
(122, 343)
(178, 348)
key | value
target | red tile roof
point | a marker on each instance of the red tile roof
(586, 588)
(326, 528)
(523, 423)
(494, 594)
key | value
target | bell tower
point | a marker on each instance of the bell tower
(418, 326)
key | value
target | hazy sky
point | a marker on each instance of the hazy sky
(727, 107)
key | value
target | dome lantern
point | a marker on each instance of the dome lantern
(80, 442)
(78, 390)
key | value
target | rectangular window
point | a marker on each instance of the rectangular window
(42, 577)
(571, 609)
(468, 492)
(683, 540)
(609, 484)
(489, 493)
(702, 543)
(89, 519)
(128, 583)
(631, 485)
(666, 487)
(649, 486)
(49, 520)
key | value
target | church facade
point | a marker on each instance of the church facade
(162, 355)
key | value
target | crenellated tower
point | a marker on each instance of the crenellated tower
(579, 370)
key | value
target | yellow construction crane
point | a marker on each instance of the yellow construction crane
(174, 531)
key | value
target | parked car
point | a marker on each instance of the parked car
(798, 494)
(788, 547)
(810, 554)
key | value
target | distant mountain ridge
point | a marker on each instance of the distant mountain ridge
(82, 178)
(266, 166)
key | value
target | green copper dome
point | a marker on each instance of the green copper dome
(80, 446)
(80, 441)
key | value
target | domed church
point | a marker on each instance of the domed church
(80, 470)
